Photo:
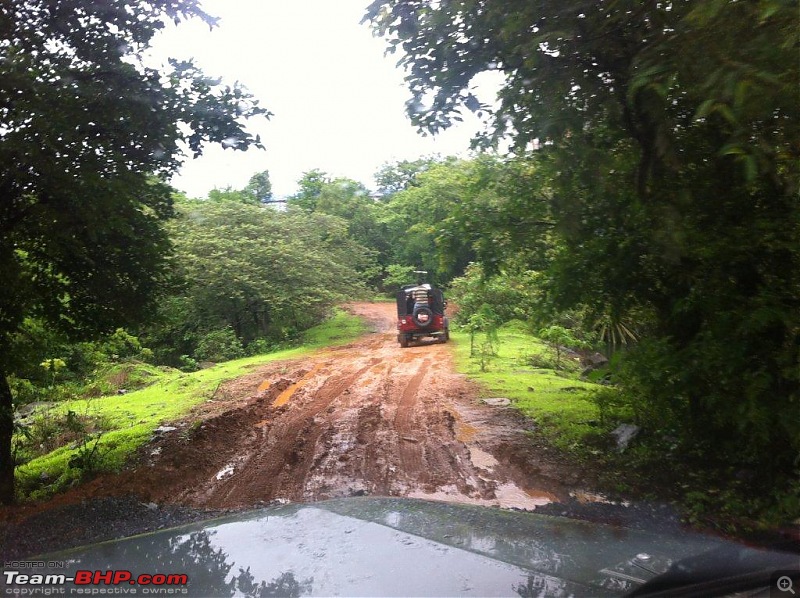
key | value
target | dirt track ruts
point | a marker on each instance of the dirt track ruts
(365, 418)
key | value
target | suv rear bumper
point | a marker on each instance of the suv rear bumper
(406, 325)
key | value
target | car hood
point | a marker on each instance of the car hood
(394, 547)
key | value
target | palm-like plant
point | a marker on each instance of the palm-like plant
(615, 332)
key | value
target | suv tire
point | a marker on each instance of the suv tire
(427, 312)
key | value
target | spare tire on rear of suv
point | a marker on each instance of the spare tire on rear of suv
(423, 316)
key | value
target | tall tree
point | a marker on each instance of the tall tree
(459, 211)
(259, 187)
(229, 194)
(89, 132)
(310, 186)
(421, 224)
(351, 201)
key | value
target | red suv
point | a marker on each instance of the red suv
(420, 312)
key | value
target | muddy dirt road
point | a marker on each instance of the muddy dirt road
(366, 418)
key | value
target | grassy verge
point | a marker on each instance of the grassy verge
(578, 416)
(340, 329)
(102, 433)
(557, 400)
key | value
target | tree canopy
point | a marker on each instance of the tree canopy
(261, 273)
(89, 133)
(259, 187)
(653, 70)
(393, 177)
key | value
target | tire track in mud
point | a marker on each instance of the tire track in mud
(411, 449)
(276, 465)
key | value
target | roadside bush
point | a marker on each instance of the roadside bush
(614, 405)
(112, 378)
(542, 361)
(483, 321)
(86, 457)
(83, 359)
(50, 428)
(121, 345)
(53, 366)
(511, 296)
(45, 432)
(187, 363)
(561, 340)
(24, 391)
(219, 345)
(260, 346)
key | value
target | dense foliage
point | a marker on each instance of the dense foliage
(669, 135)
(258, 273)
(89, 131)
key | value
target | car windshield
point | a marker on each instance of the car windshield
(541, 258)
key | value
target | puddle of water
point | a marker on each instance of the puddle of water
(463, 431)
(509, 496)
(225, 471)
(512, 496)
(482, 459)
(284, 397)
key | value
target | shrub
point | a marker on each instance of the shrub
(560, 338)
(24, 391)
(511, 296)
(260, 346)
(219, 345)
(188, 364)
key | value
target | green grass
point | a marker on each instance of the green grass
(128, 421)
(568, 412)
(128, 375)
(340, 329)
(557, 400)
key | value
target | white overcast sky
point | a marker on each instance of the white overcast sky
(338, 102)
